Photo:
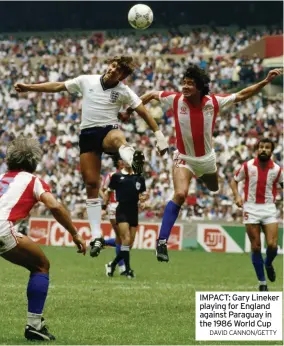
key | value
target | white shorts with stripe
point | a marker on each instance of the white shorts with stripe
(111, 210)
(8, 236)
(197, 165)
(264, 214)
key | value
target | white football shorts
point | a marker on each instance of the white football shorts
(259, 213)
(197, 165)
(8, 236)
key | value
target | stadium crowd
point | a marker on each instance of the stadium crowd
(54, 118)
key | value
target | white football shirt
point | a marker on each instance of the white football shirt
(100, 106)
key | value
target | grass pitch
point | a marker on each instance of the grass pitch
(157, 307)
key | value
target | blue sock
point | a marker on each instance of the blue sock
(170, 215)
(117, 250)
(271, 253)
(37, 292)
(110, 242)
(257, 262)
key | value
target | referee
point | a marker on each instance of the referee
(129, 189)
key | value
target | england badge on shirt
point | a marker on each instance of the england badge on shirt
(114, 96)
(138, 185)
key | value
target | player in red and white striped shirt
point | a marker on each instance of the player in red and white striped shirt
(261, 177)
(195, 113)
(20, 190)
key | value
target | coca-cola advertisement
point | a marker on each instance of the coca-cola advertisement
(50, 232)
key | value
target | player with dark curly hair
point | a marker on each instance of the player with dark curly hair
(195, 113)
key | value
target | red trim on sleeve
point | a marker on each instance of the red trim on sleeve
(45, 186)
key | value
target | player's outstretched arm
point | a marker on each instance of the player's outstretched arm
(254, 89)
(49, 87)
(146, 98)
(238, 198)
(61, 215)
(153, 95)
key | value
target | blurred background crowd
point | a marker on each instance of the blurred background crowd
(54, 118)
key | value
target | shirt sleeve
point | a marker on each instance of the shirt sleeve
(240, 174)
(280, 180)
(131, 98)
(112, 182)
(143, 185)
(40, 187)
(167, 98)
(74, 85)
(225, 100)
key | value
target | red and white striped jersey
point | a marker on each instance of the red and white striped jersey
(112, 197)
(260, 184)
(19, 192)
(195, 125)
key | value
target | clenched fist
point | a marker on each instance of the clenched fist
(21, 88)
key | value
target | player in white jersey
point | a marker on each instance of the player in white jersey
(20, 190)
(195, 112)
(103, 96)
(261, 177)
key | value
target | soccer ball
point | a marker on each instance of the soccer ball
(140, 16)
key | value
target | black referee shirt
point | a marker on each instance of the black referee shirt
(127, 187)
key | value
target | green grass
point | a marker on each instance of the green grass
(157, 307)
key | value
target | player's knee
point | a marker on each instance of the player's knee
(92, 184)
(42, 266)
(180, 197)
(272, 245)
(255, 247)
(125, 239)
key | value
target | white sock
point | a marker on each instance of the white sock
(34, 320)
(262, 282)
(94, 211)
(126, 152)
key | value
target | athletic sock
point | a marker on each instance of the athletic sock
(270, 255)
(36, 293)
(126, 152)
(170, 215)
(117, 250)
(94, 211)
(257, 262)
(122, 255)
(110, 242)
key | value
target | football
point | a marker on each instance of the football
(140, 16)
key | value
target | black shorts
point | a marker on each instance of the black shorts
(91, 139)
(127, 213)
